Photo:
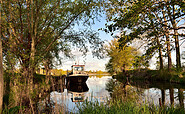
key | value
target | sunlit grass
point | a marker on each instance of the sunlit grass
(125, 100)
(127, 107)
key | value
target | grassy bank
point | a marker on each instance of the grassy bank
(120, 107)
(154, 75)
(126, 100)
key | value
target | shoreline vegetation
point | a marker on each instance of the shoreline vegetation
(42, 34)
(153, 75)
(60, 72)
(127, 107)
(124, 99)
(119, 103)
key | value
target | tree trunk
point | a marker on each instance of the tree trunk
(178, 62)
(174, 24)
(1, 77)
(1, 68)
(168, 52)
(32, 57)
(32, 63)
(167, 42)
(46, 66)
(160, 54)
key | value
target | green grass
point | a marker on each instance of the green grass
(127, 107)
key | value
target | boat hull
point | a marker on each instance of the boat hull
(77, 79)
(77, 87)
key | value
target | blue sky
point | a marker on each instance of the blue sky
(94, 64)
(91, 63)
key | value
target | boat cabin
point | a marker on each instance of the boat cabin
(77, 75)
(78, 69)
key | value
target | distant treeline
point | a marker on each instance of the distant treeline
(58, 72)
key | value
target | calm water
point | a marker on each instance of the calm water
(92, 90)
(156, 92)
(95, 90)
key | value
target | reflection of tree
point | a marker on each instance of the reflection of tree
(181, 97)
(171, 97)
(123, 91)
(15, 95)
(111, 85)
(97, 76)
(45, 104)
(163, 98)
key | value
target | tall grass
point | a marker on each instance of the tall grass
(127, 107)
(125, 100)
(17, 98)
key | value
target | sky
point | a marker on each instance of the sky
(90, 62)
(94, 64)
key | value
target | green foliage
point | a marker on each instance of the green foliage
(120, 58)
(58, 72)
(35, 32)
(120, 107)
(110, 85)
(148, 20)
(125, 100)
(13, 110)
(38, 78)
(116, 108)
(154, 75)
(140, 62)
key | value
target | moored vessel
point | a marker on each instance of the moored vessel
(77, 74)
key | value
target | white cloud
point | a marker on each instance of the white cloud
(89, 62)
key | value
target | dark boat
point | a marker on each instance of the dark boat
(78, 75)
(77, 87)
(78, 91)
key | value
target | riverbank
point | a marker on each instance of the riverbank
(126, 107)
(131, 99)
(154, 75)
(120, 100)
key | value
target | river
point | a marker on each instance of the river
(93, 90)
(100, 89)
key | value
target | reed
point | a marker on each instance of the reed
(126, 100)
(127, 107)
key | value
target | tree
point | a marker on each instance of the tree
(175, 15)
(34, 30)
(141, 26)
(1, 66)
(120, 58)
(149, 19)
(31, 28)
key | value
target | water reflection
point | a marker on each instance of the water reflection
(68, 97)
(161, 94)
(78, 91)
(120, 91)
(74, 94)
